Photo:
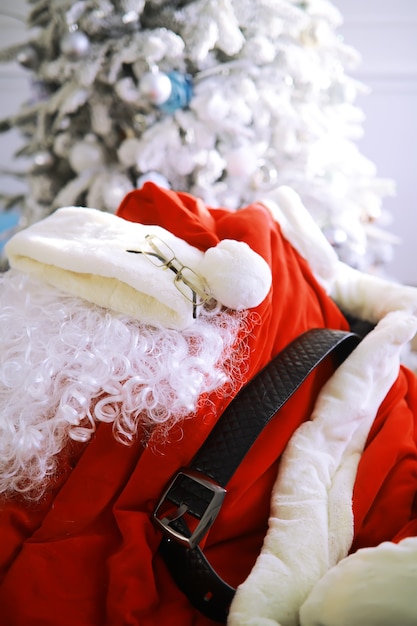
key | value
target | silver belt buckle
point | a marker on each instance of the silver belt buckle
(163, 519)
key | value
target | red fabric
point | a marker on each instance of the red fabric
(385, 494)
(87, 553)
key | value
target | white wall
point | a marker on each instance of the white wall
(14, 86)
(385, 33)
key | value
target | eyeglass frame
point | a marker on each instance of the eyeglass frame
(203, 293)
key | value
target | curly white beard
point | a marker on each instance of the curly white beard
(66, 365)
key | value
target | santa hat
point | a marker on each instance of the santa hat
(88, 253)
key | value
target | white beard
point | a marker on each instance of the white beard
(66, 365)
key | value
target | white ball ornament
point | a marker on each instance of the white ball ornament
(153, 177)
(42, 160)
(336, 236)
(75, 45)
(86, 155)
(115, 188)
(241, 162)
(156, 87)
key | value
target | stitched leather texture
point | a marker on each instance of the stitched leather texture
(222, 452)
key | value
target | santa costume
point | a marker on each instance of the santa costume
(123, 339)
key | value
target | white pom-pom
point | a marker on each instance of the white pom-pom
(238, 277)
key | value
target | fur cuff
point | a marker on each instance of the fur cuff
(374, 586)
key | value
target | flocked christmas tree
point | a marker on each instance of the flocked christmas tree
(225, 99)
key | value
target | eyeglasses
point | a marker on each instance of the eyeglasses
(190, 284)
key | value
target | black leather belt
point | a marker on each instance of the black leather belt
(199, 490)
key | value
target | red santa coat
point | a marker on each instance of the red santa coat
(87, 554)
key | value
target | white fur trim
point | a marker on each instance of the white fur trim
(366, 296)
(371, 297)
(311, 525)
(299, 228)
(83, 251)
(375, 586)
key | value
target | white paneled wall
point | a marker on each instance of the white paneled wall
(385, 33)
(14, 85)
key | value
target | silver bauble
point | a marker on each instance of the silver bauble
(75, 45)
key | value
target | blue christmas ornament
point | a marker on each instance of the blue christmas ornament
(181, 92)
(9, 220)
